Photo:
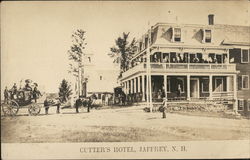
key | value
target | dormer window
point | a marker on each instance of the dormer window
(177, 35)
(207, 36)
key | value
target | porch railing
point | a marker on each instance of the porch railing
(221, 95)
(181, 66)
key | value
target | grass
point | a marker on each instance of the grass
(207, 114)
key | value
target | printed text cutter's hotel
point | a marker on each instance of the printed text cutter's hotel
(192, 63)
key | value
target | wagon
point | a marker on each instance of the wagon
(22, 98)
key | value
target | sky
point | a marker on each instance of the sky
(35, 36)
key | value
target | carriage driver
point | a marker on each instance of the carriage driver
(27, 85)
(13, 91)
(36, 93)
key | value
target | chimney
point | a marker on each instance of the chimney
(210, 19)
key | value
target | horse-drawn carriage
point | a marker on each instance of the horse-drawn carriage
(22, 98)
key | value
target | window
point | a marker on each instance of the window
(245, 81)
(205, 85)
(219, 85)
(208, 36)
(177, 34)
(244, 56)
(100, 77)
(240, 105)
(89, 58)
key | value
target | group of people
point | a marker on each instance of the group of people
(12, 93)
(177, 58)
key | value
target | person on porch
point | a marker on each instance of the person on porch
(179, 90)
(159, 95)
(196, 59)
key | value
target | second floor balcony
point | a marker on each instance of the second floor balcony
(181, 67)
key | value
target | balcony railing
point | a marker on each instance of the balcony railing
(193, 67)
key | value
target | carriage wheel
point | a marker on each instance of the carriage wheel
(10, 108)
(34, 109)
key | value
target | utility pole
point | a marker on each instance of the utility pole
(149, 88)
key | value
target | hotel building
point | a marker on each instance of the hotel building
(192, 62)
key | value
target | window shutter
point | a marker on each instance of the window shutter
(172, 34)
(239, 82)
(203, 35)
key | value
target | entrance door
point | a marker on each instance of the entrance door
(194, 88)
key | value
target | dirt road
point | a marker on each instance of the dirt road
(115, 125)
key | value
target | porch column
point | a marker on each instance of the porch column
(139, 84)
(228, 83)
(165, 86)
(129, 86)
(210, 87)
(132, 86)
(235, 93)
(228, 56)
(188, 87)
(126, 87)
(135, 85)
(143, 87)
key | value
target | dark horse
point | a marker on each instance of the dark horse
(89, 101)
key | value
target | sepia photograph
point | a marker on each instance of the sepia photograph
(125, 79)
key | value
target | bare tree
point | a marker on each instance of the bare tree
(76, 53)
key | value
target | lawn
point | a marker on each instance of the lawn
(119, 125)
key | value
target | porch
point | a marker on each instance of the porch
(182, 88)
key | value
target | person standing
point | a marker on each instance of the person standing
(179, 91)
(103, 99)
(6, 94)
(46, 105)
(89, 103)
(58, 107)
(36, 93)
(164, 108)
(13, 91)
(106, 100)
(78, 104)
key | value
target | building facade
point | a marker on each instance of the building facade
(191, 62)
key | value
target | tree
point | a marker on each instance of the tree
(76, 53)
(123, 50)
(64, 90)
